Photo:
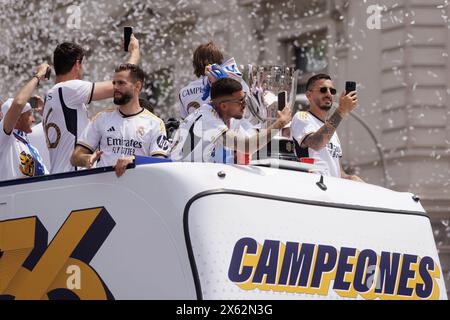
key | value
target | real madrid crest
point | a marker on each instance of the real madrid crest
(141, 132)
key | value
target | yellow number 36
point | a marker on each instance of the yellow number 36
(31, 270)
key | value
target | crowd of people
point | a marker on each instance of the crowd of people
(213, 127)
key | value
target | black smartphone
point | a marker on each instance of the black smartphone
(127, 32)
(282, 100)
(48, 73)
(350, 86)
(33, 101)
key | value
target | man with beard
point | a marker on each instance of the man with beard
(118, 134)
(66, 104)
(205, 135)
(314, 135)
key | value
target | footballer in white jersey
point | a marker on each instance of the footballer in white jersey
(65, 111)
(191, 97)
(197, 139)
(65, 118)
(327, 159)
(119, 135)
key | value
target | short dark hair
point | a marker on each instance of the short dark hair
(136, 73)
(225, 87)
(204, 55)
(313, 79)
(144, 103)
(65, 56)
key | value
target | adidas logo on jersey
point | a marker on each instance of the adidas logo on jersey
(111, 129)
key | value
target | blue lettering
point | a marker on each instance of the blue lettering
(242, 247)
(405, 275)
(296, 262)
(426, 289)
(268, 262)
(343, 268)
(192, 91)
(325, 262)
(389, 263)
(361, 273)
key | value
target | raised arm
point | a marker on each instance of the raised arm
(257, 141)
(21, 99)
(104, 90)
(322, 137)
(133, 49)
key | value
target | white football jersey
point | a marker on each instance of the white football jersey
(65, 118)
(243, 127)
(119, 135)
(327, 159)
(197, 138)
(38, 140)
(191, 97)
(18, 159)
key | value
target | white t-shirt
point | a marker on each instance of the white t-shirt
(65, 118)
(118, 135)
(303, 125)
(242, 127)
(197, 138)
(191, 97)
(18, 159)
(38, 140)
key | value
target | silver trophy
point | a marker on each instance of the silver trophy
(265, 82)
(264, 85)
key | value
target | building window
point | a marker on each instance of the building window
(309, 54)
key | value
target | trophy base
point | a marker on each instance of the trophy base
(279, 148)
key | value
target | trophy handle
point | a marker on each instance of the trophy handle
(294, 88)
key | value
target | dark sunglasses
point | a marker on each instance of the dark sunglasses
(333, 91)
(242, 101)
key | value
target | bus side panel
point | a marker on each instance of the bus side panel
(255, 248)
(100, 233)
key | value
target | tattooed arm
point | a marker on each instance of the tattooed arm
(250, 145)
(322, 137)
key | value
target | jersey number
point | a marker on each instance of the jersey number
(47, 126)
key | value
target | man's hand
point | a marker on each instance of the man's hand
(134, 44)
(347, 102)
(93, 158)
(121, 165)
(352, 177)
(21, 99)
(355, 178)
(209, 75)
(284, 117)
(133, 49)
(41, 71)
(40, 105)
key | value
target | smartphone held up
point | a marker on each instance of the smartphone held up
(350, 86)
(127, 32)
(48, 73)
(282, 100)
